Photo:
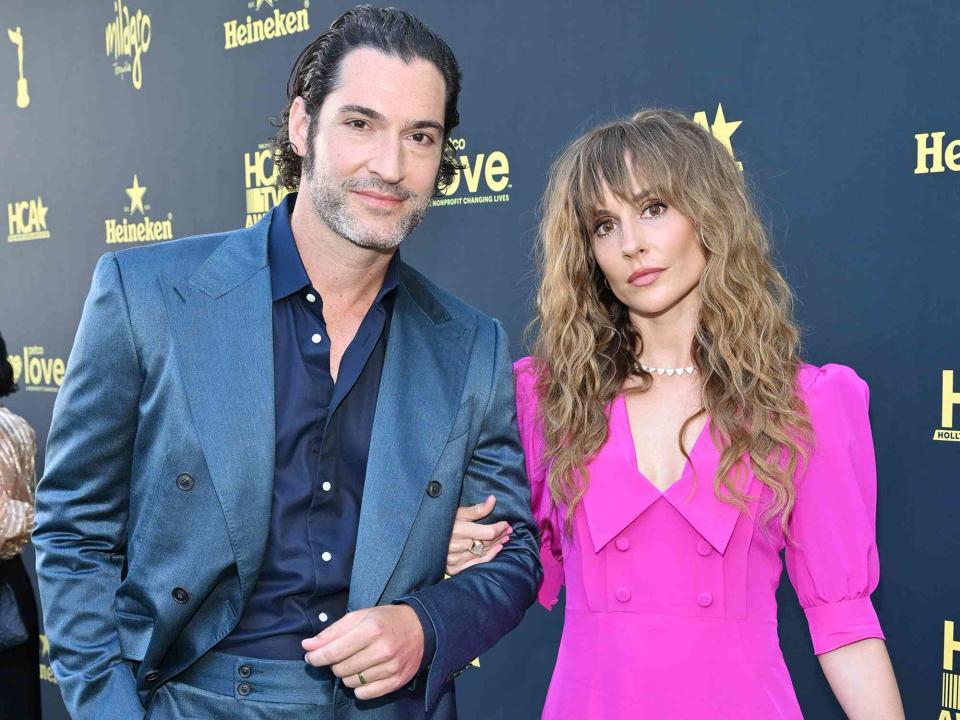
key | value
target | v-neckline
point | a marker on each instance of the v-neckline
(631, 451)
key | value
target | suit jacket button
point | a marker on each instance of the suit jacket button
(704, 599)
(244, 689)
(434, 489)
(703, 548)
(623, 544)
(245, 671)
(151, 675)
(185, 482)
(180, 595)
(623, 594)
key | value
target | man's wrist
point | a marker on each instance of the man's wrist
(429, 632)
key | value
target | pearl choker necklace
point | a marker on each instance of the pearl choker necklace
(689, 370)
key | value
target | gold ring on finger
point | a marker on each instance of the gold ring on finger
(477, 548)
(361, 678)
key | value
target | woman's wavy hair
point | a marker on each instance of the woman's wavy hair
(746, 346)
(7, 384)
(316, 73)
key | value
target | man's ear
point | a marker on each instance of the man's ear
(298, 125)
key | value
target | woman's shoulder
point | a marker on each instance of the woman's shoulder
(832, 386)
(526, 374)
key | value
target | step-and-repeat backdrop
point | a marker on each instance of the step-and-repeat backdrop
(133, 121)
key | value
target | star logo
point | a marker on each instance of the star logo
(261, 3)
(41, 212)
(721, 129)
(136, 196)
(17, 365)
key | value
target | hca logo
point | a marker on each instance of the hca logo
(950, 400)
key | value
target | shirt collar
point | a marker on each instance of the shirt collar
(287, 274)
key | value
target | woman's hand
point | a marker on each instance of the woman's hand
(466, 530)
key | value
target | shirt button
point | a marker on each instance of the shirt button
(327, 557)
(316, 338)
(623, 544)
(705, 599)
(703, 547)
(311, 297)
(623, 594)
(326, 486)
(323, 617)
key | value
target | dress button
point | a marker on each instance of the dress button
(185, 482)
(151, 675)
(244, 689)
(434, 489)
(705, 599)
(316, 338)
(180, 595)
(623, 544)
(244, 671)
(703, 547)
(623, 594)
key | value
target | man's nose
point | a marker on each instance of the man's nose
(387, 160)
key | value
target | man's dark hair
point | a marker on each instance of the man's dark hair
(7, 385)
(315, 75)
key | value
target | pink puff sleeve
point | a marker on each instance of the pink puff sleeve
(832, 560)
(544, 511)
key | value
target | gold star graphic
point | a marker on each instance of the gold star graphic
(136, 196)
(722, 130)
(41, 212)
(261, 3)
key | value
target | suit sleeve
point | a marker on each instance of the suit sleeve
(82, 504)
(471, 611)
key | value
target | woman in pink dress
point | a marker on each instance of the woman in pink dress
(675, 444)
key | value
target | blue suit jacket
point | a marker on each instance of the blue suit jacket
(171, 373)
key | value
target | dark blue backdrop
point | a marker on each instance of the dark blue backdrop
(847, 113)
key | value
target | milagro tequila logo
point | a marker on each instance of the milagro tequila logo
(720, 128)
(484, 178)
(27, 220)
(277, 23)
(39, 372)
(260, 177)
(128, 37)
(146, 229)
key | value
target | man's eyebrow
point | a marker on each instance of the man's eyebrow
(379, 117)
(361, 110)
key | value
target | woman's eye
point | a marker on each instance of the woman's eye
(655, 210)
(604, 228)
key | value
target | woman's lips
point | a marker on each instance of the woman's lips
(647, 276)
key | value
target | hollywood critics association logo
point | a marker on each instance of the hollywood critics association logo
(276, 23)
(38, 372)
(721, 129)
(484, 178)
(126, 230)
(260, 177)
(27, 220)
(127, 38)
(950, 399)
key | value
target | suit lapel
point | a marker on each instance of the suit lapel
(420, 389)
(222, 326)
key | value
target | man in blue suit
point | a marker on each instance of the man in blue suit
(263, 436)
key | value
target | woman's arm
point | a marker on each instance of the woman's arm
(862, 679)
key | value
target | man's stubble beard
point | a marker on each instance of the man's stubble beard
(330, 202)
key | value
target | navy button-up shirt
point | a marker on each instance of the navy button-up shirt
(323, 431)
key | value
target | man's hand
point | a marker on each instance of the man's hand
(384, 643)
